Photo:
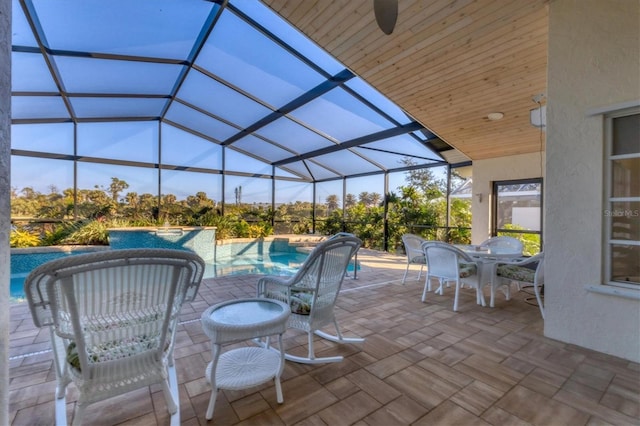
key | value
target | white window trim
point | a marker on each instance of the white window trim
(614, 290)
(609, 287)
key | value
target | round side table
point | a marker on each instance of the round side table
(240, 368)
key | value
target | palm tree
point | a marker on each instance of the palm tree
(333, 202)
(375, 199)
(350, 201)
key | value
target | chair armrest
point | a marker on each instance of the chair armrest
(523, 261)
(273, 283)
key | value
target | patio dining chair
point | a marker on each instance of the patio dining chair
(526, 272)
(312, 294)
(112, 316)
(447, 264)
(505, 242)
(415, 254)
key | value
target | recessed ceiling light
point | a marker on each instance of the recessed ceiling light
(495, 116)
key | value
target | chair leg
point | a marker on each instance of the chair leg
(493, 296)
(427, 286)
(175, 397)
(312, 352)
(536, 290)
(455, 297)
(480, 296)
(406, 271)
(507, 291)
(61, 411)
(169, 396)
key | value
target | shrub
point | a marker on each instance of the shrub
(241, 229)
(260, 230)
(22, 238)
(224, 224)
(90, 232)
(60, 232)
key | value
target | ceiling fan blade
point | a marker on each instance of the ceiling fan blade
(386, 12)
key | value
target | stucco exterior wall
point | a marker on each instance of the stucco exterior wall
(485, 172)
(594, 61)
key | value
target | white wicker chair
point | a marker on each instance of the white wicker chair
(112, 317)
(447, 264)
(415, 254)
(312, 293)
(355, 257)
(525, 272)
(505, 242)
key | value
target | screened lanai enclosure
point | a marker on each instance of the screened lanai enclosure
(192, 112)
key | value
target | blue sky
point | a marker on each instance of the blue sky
(130, 65)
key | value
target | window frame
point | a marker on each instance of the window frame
(609, 199)
(494, 208)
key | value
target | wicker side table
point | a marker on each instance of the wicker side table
(240, 368)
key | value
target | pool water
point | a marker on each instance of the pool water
(286, 263)
(231, 262)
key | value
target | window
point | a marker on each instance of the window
(517, 212)
(622, 199)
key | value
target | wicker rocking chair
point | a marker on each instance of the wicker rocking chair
(312, 293)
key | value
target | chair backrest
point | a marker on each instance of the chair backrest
(325, 268)
(504, 242)
(413, 246)
(116, 303)
(340, 234)
(442, 259)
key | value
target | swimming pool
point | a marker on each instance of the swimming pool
(238, 258)
(272, 264)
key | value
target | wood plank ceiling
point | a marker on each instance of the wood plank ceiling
(448, 63)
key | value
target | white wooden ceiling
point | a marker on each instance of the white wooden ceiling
(448, 63)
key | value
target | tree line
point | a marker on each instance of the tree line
(85, 216)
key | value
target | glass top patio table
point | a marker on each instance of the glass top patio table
(488, 252)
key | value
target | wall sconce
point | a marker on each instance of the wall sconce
(479, 195)
(538, 117)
